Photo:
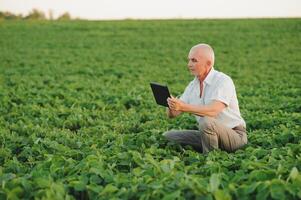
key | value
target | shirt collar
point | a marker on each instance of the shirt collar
(209, 77)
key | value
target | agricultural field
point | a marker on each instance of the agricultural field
(78, 119)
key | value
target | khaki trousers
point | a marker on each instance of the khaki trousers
(211, 135)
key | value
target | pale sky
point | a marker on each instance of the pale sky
(154, 9)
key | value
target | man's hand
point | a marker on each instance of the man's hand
(175, 104)
(171, 113)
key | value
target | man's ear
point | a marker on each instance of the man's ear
(208, 63)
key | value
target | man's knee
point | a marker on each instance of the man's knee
(170, 135)
(206, 124)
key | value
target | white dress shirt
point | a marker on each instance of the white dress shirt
(217, 86)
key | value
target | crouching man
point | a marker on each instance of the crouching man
(211, 97)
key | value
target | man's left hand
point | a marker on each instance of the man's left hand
(175, 104)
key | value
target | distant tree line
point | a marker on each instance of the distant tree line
(35, 14)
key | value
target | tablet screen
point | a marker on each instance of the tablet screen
(161, 93)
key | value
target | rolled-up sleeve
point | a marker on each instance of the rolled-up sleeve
(224, 91)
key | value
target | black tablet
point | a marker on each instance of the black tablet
(161, 93)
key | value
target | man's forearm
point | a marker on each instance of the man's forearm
(207, 110)
(211, 110)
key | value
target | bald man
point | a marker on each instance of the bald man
(211, 97)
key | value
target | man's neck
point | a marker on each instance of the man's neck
(202, 78)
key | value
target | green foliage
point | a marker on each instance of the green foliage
(64, 16)
(36, 15)
(78, 119)
(9, 15)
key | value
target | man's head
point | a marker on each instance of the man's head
(200, 60)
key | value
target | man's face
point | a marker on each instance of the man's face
(197, 63)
